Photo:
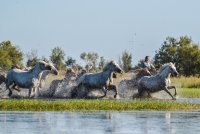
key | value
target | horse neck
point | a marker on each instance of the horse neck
(35, 71)
(164, 74)
(45, 74)
(108, 73)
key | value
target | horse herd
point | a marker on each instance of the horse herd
(144, 81)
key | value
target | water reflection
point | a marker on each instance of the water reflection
(100, 122)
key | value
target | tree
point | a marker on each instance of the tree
(102, 63)
(32, 62)
(168, 52)
(181, 51)
(126, 61)
(70, 62)
(10, 55)
(90, 59)
(57, 57)
(32, 57)
(45, 59)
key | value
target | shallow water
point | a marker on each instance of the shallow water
(100, 122)
(189, 100)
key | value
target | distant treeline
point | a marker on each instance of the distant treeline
(182, 51)
(11, 55)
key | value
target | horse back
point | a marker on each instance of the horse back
(20, 78)
(149, 82)
(96, 80)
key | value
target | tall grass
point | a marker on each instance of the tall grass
(186, 82)
(91, 105)
(189, 92)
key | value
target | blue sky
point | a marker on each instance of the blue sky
(107, 27)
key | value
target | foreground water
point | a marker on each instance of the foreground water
(100, 122)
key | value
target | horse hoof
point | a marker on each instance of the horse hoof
(173, 98)
(103, 96)
(10, 93)
(31, 96)
(116, 96)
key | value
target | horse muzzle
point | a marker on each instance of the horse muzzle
(120, 71)
(55, 72)
(175, 74)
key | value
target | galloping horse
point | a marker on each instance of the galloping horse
(27, 79)
(102, 80)
(159, 81)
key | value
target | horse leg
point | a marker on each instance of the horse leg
(171, 87)
(29, 92)
(141, 91)
(36, 92)
(149, 94)
(113, 87)
(8, 87)
(14, 87)
(166, 90)
(104, 88)
(10, 92)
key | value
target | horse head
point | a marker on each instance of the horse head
(47, 66)
(173, 70)
(70, 73)
(113, 66)
(169, 68)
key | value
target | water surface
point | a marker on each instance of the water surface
(147, 122)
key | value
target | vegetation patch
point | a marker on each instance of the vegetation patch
(186, 82)
(189, 92)
(94, 105)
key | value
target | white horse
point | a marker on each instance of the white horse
(101, 80)
(27, 79)
(159, 81)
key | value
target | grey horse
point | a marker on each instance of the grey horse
(27, 79)
(102, 80)
(159, 81)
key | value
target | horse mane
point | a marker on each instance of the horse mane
(164, 66)
(41, 61)
(107, 66)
